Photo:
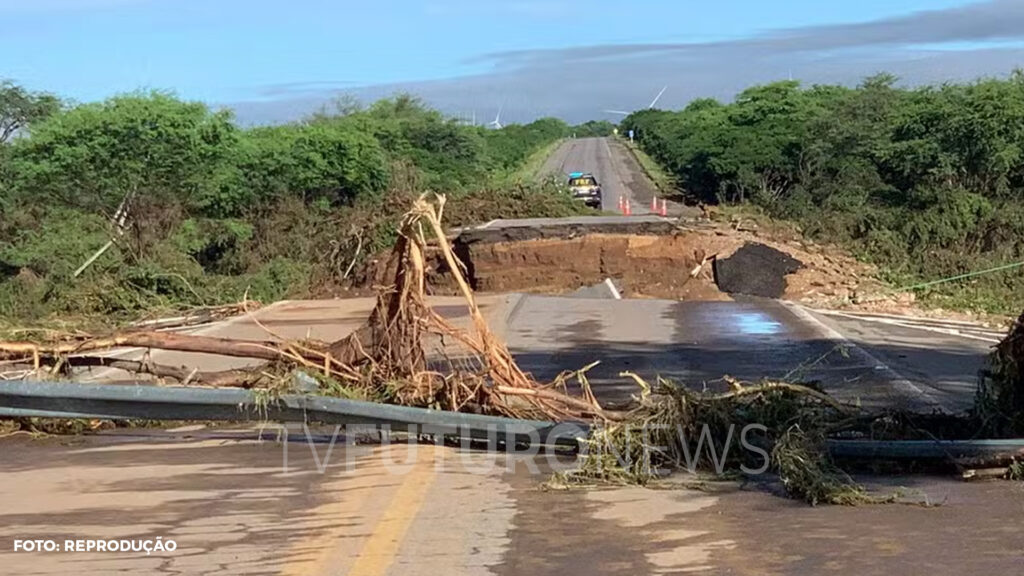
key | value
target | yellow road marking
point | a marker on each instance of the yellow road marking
(330, 550)
(382, 546)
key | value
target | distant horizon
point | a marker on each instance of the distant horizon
(559, 58)
(482, 120)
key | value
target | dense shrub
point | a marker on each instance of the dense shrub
(91, 156)
(215, 210)
(594, 128)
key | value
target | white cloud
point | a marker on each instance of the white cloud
(980, 22)
(578, 83)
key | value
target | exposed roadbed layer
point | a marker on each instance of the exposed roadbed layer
(574, 229)
(646, 256)
(646, 265)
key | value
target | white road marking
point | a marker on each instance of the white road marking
(988, 336)
(897, 317)
(853, 349)
(612, 289)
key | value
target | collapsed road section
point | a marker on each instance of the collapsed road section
(648, 257)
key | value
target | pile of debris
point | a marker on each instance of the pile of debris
(673, 428)
(384, 360)
(1000, 400)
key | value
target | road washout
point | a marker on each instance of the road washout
(665, 260)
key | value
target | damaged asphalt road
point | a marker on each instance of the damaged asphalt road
(751, 338)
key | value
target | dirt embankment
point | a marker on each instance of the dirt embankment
(654, 261)
(651, 266)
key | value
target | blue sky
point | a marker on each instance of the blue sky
(232, 49)
(228, 51)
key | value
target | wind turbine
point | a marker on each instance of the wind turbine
(497, 119)
(649, 107)
(656, 98)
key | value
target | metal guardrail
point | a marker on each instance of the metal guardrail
(925, 449)
(24, 398)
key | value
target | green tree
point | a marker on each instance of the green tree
(329, 160)
(94, 155)
(926, 181)
(20, 108)
(593, 128)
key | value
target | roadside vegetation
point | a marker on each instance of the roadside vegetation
(662, 180)
(594, 129)
(928, 183)
(202, 211)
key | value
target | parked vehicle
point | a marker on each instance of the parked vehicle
(584, 186)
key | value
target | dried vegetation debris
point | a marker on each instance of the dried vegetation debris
(1000, 399)
(771, 426)
(384, 360)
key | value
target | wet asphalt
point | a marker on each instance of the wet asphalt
(700, 343)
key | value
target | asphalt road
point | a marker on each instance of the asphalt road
(234, 505)
(884, 366)
(933, 359)
(613, 165)
(912, 364)
(239, 506)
